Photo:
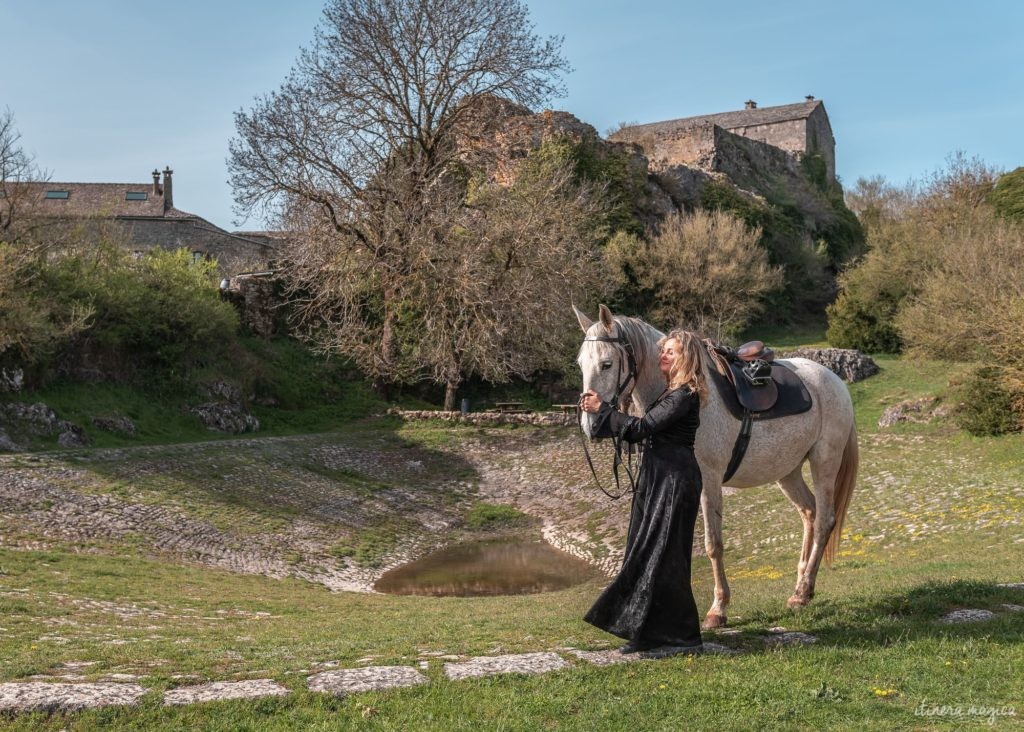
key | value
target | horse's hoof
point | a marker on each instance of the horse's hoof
(796, 601)
(714, 620)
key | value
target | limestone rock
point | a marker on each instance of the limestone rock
(914, 411)
(782, 637)
(36, 419)
(222, 391)
(522, 663)
(11, 382)
(370, 678)
(608, 657)
(223, 417)
(116, 423)
(967, 615)
(851, 365)
(7, 444)
(219, 690)
(45, 697)
(73, 436)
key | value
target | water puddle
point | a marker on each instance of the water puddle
(480, 568)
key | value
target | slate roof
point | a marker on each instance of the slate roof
(739, 118)
(107, 199)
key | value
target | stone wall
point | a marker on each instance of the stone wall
(257, 304)
(233, 254)
(543, 419)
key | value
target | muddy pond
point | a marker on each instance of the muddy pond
(492, 567)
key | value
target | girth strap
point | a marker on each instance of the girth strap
(740, 448)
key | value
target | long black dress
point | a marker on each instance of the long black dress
(650, 601)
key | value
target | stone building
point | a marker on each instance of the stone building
(796, 129)
(146, 214)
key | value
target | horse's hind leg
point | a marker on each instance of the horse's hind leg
(795, 488)
(825, 461)
(711, 508)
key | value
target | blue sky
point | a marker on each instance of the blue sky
(106, 90)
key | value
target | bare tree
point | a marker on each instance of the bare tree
(17, 168)
(357, 147)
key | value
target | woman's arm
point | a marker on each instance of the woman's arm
(676, 405)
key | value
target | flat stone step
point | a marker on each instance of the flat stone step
(371, 678)
(521, 663)
(967, 615)
(45, 697)
(789, 638)
(221, 690)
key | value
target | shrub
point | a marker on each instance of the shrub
(913, 234)
(160, 312)
(705, 270)
(1007, 197)
(987, 404)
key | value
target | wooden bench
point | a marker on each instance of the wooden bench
(566, 408)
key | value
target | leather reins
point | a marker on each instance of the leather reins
(631, 374)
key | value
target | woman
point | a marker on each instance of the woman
(650, 602)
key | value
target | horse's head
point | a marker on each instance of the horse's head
(606, 360)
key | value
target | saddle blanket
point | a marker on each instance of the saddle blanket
(793, 397)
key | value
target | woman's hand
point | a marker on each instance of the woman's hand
(590, 401)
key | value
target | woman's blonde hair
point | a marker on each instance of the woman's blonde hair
(686, 370)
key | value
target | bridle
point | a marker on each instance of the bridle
(620, 389)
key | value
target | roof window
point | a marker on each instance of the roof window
(57, 194)
(136, 196)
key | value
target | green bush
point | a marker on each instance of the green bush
(866, 324)
(987, 404)
(161, 311)
(1007, 197)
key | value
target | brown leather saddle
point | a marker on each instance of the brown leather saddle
(757, 384)
(755, 388)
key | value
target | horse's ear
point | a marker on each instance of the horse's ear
(605, 316)
(585, 322)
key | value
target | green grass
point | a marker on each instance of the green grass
(935, 524)
(487, 516)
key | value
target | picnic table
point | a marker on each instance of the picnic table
(510, 407)
(566, 408)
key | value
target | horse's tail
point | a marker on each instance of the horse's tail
(845, 480)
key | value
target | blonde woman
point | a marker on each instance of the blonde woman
(650, 602)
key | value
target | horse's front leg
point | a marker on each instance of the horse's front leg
(711, 507)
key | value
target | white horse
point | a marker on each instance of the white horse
(825, 435)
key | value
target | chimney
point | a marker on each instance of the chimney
(809, 97)
(156, 182)
(750, 104)
(168, 198)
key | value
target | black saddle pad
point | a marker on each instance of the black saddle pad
(793, 397)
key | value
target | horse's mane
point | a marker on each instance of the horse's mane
(642, 336)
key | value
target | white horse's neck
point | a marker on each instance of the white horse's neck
(650, 382)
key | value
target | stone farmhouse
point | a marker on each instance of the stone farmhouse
(796, 129)
(146, 214)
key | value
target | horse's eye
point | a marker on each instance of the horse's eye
(605, 365)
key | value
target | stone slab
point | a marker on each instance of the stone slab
(1012, 585)
(608, 657)
(967, 615)
(521, 663)
(44, 697)
(221, 690)
(790, 638)
(371, 678)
